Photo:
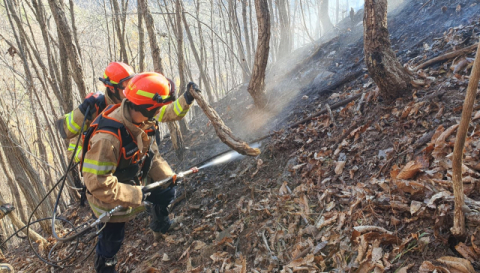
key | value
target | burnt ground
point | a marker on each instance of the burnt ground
(367, 191)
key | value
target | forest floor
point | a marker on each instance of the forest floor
(365, 189)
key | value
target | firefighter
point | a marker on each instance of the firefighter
(119, 159)
(4, 266)
(115, 78)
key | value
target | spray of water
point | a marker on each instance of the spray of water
(227, 157)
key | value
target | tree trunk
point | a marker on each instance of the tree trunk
(197, 59)
(120, 34)
(74, 27)
(72, 51)
(141, 39)
(176, 135)
(181, 60)
(256, 87)
(337, 11)
(458, 228)
(251, 27)
(14, 188)
(383, 66)
(325, 18)
(14, 156)
(234, 26)
(285, 46)
(246, 33)
(152, 37)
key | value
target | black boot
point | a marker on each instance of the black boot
(105, 265)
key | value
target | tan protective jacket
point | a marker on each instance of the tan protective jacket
(71, 122)
(101, 160)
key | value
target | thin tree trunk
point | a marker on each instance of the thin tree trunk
(74, 27)
(120, 34)
(234, 26)
(285, 46)
(324, 17)
(141, 39)
(251, 28)
(256, 87)
(458, 228)
(150, 24)
(383, 66)
(337, 11)
(197, 59)
(181, 60)
(14, 188)
(72, 51)
(246, 33)
(108, 31)
(176, 135)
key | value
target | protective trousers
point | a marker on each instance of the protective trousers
(111, 237)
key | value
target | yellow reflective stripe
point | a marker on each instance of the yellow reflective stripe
(71, 147)
(145, 94)
(97, 167)
(177, 108)
(78, 154)
(183, 113)
(71, 125)
(162, 112)
(105, 76)
(123, 213)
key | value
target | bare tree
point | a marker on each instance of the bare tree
(383, 66)
(67, 39)
(327, 25)
(256, 87)
(175, 133)
(285, 46)
(141, 39)
(120, 34)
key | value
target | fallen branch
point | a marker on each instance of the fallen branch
(446, 56)
(364, 229)
(319, 113)
(223, 132)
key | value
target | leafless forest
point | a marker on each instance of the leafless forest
(369, 133)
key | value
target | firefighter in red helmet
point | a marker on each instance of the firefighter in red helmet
(119, 159)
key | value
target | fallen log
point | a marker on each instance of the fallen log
(223, 132)
(446, 56)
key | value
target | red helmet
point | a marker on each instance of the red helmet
(150, 90)
(116, 74)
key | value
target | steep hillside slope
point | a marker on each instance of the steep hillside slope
(365, 188)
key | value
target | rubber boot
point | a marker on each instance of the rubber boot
(105, 265)
(6, 268)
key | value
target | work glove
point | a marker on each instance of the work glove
(187, 95)
(89, 101)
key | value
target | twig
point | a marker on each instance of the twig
(363, 229)
(446, 56)
(331, 114)
(266, 242)
(360, 103)
(223, 132)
